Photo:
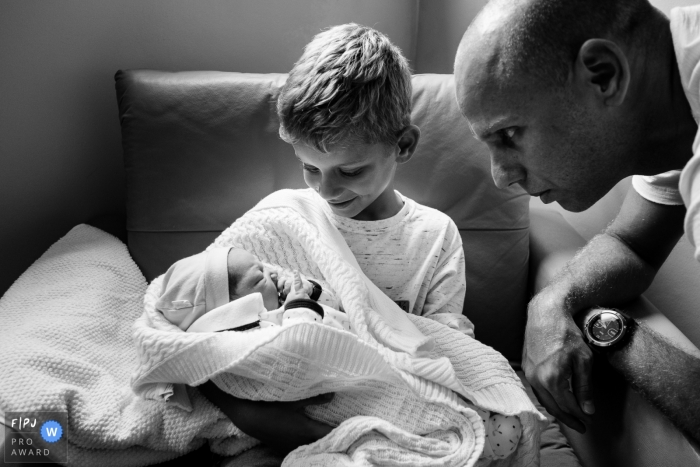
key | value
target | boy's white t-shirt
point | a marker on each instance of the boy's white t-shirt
(682, 187)
(415, 257)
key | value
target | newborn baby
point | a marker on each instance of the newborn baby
(229, 289)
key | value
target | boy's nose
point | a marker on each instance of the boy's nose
(328, 188)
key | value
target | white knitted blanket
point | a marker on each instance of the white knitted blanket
(397, 381)
(66, 345)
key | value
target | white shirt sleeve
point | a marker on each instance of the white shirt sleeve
(659, 189)
(444, 302)
(690, 190)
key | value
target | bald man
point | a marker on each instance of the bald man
(572, 96)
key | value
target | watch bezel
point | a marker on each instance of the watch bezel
(598, 343)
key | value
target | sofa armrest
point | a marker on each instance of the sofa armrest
(553, 242)
(626, 430)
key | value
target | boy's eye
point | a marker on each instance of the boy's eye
(351, 173)
(309, 168)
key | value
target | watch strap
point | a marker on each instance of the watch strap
(317, 290)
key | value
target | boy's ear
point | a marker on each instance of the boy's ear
(407, 143)
(602, 68)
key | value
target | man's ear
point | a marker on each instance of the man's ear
(407, 143)
(602, 67)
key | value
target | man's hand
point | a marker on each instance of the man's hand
(281, 425)
(557, 361)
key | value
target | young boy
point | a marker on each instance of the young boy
(346, 109)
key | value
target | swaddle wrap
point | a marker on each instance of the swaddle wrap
(399, 375)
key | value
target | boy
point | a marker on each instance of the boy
(346, 109)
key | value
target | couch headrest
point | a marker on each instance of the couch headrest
(201, 148)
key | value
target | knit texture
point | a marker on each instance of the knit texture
(400, 380)
(67, 346)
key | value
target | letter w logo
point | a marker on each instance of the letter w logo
(52, 431)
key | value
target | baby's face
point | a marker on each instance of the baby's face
(249, 276)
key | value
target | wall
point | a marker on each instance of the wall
(60, 153)
(440, 28)
(443, 22)
(60, 147)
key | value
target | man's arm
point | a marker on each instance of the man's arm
(666, 374)
(281, 425)
(612, 269)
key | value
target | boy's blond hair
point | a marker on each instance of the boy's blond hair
(351, 84)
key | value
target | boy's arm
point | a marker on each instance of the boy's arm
(445, 299)
(281, 425)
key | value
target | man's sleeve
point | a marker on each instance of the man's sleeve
(659, 189)
(445, 299)
(690, 191)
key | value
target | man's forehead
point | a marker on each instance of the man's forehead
(489, 105)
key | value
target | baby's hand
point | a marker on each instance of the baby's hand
(297, 287)
(286, 279)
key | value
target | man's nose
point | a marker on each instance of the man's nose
(506, 171)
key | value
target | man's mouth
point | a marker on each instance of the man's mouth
(544, 195)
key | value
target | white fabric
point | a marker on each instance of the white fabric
(394, 329)
(682, 187)
(216, 278)
(193, 286)
(245, 310)
(685, 27)
(412, 393)
(414, 256)
(67, 345)
(659, 189)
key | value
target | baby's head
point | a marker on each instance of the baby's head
(346, 109)
(198, 284)
(246, 275)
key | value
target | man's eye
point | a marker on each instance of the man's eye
(506, 135)
(309, 168)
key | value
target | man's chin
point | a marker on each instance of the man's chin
(575, 205)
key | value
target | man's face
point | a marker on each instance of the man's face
(548, 140)
(356, 180)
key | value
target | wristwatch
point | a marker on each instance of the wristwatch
(607, 329)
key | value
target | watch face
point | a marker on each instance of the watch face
(606, 327)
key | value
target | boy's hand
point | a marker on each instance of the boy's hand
(281, 425)
(297, 289)
(285, 279)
